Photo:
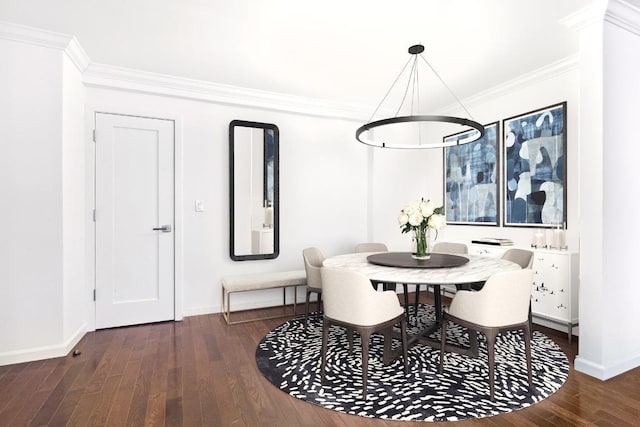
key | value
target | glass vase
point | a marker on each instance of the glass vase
(422, 239)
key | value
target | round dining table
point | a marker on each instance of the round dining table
(433, 272)
(478, 269)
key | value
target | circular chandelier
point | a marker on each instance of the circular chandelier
(364, 134)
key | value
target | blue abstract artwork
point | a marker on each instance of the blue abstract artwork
(535, 168)
(471, 179)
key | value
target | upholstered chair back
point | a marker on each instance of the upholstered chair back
(522, 257)
(450, 248)
(313, 259)
(503, 300)
(371, 247)
(348, 297)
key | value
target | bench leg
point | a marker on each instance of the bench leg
(226, 305)
(295, 300)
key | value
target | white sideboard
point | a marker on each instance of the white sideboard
(554, 296)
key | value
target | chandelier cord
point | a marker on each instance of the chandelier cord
(416, 90)
(388, 91)
(413, 84)
(448, 88)
(406, 90)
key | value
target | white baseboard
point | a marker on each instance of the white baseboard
(199, 311)
(603, 372)
(47, 352)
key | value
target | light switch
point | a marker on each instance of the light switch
(199, 205)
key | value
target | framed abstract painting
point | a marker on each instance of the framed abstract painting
(535, 168)
(471, 178)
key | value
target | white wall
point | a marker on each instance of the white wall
(610, 58)
(322, 189)
(75, 296)
(31, 268)
(621, 152)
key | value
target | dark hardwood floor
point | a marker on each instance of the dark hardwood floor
(202, 372)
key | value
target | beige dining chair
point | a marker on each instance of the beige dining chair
(375, 247)
(522, 257)
(350, 302)
(446, 248)
(313, 259)
(386, 286)
(501, 305)
(371, 247)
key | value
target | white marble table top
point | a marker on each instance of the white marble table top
(479, 268)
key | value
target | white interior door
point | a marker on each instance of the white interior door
(134, 220)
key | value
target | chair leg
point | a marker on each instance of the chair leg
(527, 350)
(365, 361)
(325, 340)
(318, 310)
(530, 321)
(306, 309)
(403, 332)
(491, 341)
(473, 342)
(443, 340)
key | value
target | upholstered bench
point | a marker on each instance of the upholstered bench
(258, 282)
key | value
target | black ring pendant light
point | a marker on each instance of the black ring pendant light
(416, 51)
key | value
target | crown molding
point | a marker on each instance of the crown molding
(101, 75)
(624, 14)
(621, 13)
(49, 39)
(591, 14)
(109, 76)
(550, 71)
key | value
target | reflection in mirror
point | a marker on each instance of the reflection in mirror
(254, 207)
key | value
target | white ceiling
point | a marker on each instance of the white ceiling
(346, 51)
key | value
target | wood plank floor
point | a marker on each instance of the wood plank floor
(201, 372)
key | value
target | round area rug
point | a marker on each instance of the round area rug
(290, 359)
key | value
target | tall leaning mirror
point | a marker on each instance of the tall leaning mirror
(253, 179)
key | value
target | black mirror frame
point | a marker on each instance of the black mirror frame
(276, 190)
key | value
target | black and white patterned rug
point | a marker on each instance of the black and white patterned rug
(290, 359)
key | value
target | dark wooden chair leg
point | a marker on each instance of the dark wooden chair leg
(443, 340)
(325, 340)
(530, 321)
(527, 350)
(350, 339)
(473, 342)
(306, 304)
(403, 333)
(365, 335)
(306, 309)
(491, 341)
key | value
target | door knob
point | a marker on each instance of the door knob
(164, 228)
